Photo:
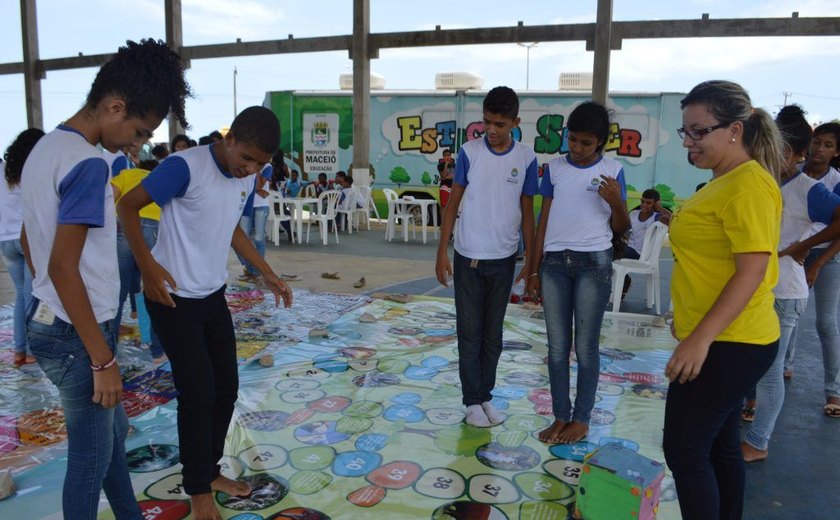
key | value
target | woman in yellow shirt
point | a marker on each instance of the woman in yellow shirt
(724, 240)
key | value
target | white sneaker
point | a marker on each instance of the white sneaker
(494, 416)
(476, 417)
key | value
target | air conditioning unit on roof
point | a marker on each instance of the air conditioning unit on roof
(377, 82)
(458, 81)
(575, 81)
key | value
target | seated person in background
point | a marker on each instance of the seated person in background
(293, 185)
(321, 185)
(650, 210)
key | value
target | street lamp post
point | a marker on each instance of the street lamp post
(234, 93)
(528, 47)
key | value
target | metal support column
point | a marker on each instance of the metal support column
(175, 40)
(31, 75)
(601, 65)
(361, 92)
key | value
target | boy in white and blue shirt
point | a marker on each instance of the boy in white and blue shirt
(496, 178)
(202, 193)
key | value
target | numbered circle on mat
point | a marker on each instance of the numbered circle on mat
(442, 483)
(260, 457)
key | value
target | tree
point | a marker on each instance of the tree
(399, 176)
(665, 192)
(426, 179)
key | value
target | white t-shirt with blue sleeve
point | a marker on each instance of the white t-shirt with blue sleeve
(200, 207)
(579, 219)
(806, 201)
(117, 161)
(638, 228)
(266, 173)
(830, 180)
(491, 211)
(66, 181)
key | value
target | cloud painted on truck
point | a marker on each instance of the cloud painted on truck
(426, 130)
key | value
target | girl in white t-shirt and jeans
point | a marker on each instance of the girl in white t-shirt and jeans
(584, 204)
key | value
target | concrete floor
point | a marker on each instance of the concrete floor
(800, 479)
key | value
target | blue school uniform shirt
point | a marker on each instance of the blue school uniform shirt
(579, 219)
(66, 181)
(806, 202)
(831, 180)
(491, 211)
(200, 208)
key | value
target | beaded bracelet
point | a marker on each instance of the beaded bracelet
(104, 366)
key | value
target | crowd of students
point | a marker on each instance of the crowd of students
(728, 258)
(91, 227)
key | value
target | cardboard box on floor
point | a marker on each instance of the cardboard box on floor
(617, 484)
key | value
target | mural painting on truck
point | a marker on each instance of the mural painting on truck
(410, 129)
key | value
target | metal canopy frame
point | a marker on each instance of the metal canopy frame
(601, 37)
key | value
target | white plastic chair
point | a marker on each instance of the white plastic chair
(398, 211)
(347, 211)
(647, 264)
(363, 206)
(372, 205)
(276, 217)
(308, 191)
(325, 214)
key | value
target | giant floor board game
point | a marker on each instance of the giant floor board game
(365, 422)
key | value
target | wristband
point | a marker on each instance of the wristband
(104, 366)
(533, 275)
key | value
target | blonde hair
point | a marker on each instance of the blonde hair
(729, 102)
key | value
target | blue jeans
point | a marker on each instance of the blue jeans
(770, 391)
(482, 292)
(256, 222)
(576, 290)
(130, 277)
(826, 299)
(95, 435)
(22, 279)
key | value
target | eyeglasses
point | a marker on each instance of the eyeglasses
(697, 135)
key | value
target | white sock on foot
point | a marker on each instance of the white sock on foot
(494, 416)
(476, 417)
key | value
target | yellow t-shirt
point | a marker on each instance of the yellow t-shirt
(126, 181)
(739, 212)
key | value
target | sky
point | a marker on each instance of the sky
(800, 70)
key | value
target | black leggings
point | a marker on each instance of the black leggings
(702, 441)
(198, 338)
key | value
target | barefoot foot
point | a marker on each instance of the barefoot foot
(573, 432)
(234, 488)
(204, 507)
(752, 454)
(549, 435)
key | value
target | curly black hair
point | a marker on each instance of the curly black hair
(259, 126)
(149, 76)
(18, 151)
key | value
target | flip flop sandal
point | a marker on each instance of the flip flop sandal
(291, 277)
(331, 276)
(832, 410)
(748, 414)
(360, 283)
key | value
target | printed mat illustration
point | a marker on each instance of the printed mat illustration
(366, 421)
